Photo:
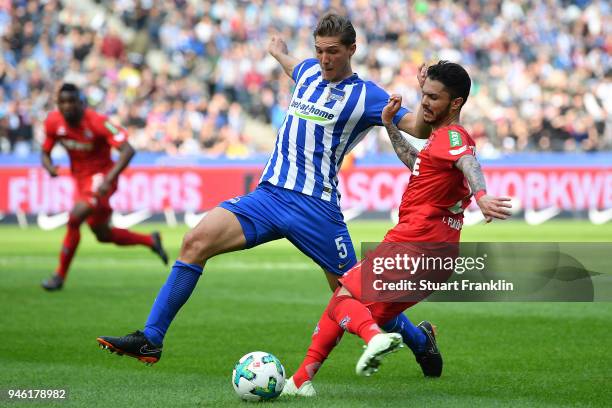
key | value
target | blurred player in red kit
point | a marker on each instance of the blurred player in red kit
(445, 176)
(88, 137)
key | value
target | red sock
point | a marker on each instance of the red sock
(124, 237)
(354, 317)
(71, 242)
(324, 339)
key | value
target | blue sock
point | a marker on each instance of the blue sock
(175, 292)
(413, 336)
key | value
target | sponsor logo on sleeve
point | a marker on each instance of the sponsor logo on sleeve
(455, 138)
(111, 128)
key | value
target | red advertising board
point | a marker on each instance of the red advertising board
(371, 188)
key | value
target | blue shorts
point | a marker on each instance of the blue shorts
(316, 227)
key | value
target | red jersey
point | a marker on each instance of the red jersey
(437, 193)
(88, 145)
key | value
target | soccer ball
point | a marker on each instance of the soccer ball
(258, 376)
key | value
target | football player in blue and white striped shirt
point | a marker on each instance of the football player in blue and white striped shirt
(331, 110)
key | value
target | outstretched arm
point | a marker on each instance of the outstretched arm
(491, 207)
(404, 150)
(278, 49)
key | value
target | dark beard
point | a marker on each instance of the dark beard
(440, 117)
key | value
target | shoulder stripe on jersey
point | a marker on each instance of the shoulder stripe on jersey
(304, 86)
(302, 65)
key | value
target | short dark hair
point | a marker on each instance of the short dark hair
(454, 77)
(70, 87)
(332, 25)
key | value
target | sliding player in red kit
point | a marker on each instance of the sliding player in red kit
(445, 175)
(88, 137)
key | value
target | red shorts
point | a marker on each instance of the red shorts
(86, 188)
(382, 311)
(435, 229)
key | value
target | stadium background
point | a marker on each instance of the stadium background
(193, 84)
(202, 100)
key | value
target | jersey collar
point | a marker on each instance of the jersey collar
(344, 81)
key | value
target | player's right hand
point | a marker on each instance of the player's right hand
(393, 106)
(494, 207)
(277, 46)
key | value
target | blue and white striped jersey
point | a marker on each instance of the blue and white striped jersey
(324, 121)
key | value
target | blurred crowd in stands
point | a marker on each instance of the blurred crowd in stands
(194, 77)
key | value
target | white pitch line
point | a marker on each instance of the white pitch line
(13, 260)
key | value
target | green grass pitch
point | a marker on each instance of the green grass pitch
(269, 298)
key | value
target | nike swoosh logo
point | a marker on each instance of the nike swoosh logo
(472, 217)
(537, 217)
(600, 217)
(49, 222)
(146, 350)
(170, 216)
(340, 266)
(352, 213)
(129, 220)
(192, 219)
(22, 219)
(394, 215)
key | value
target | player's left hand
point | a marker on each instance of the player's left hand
(422, 74)
(494, 207)
(277, 46)
(104, 188)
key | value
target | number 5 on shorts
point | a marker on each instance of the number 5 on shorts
(341, 246)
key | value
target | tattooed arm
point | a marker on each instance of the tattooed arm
(472, 171)
(404, 150)
(491, 207)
